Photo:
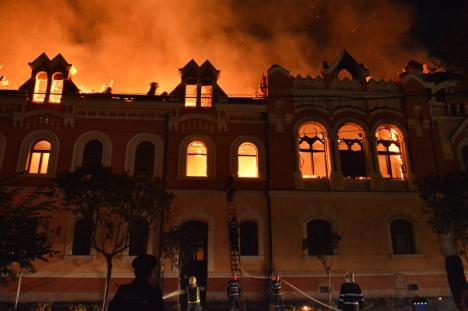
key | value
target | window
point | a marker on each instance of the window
(196, 165)
(82, 237)
(313, 160)
(206, 95)
(247, 164)
(402, 237)
(351, 148)
(39, 156)
(144, 159)
(190, 95)
(40, 87)
(138, 238)
(92, 154)
(56, 88)
(389, 153)
(318, 233)
(248, 238)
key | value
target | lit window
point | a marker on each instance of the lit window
(92, 154)
(82, 237)
(39, 158)
(56, 88)
(247, 160)
(345, 74)
(191, 95)
(389, 153)
(402, 237)
(313, 162)
(197, 159)
(206, 95)
(40, 87)
(351, 148)
(144, 159)
(138, 238)
(248, 238)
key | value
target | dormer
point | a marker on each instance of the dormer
(50, 80)
(345, 67)
(199, 86)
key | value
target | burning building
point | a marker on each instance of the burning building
(340, 152)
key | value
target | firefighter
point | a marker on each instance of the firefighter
(234, 293)
(193, 295)
(276, 294)
(351, 297)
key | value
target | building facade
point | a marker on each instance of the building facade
(341, 152)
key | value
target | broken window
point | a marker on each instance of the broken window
(82, 237)
(40, 87)
(247, 160)
(389, 153)
(190, 95)
(138, 243)
(206, 95)
(402, 237)
(197, 157)
(248, 238)
(56, 88)
(39, 158)
(312, 151)
(92, 154)
(351, 148)
(144, 159)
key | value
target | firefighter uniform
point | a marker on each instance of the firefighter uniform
(234, 293)
(276, 294)
(193, 295)
(351, 297)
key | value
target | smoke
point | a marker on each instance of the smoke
(136, 42)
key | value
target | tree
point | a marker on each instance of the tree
(23, 231)
(446, 201)
(113, 204)
(323, 246)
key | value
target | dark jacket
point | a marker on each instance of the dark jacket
(137, 296)
(456, 279)
(351, 297)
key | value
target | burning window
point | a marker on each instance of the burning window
(39, 158)
(190, 95)
(196, 165)
(92, 154)
(40, 87)
(247, 160)
(206, 95)
(56, 88)
(144, 159)
(389, 153)
(351, 148)
(312, 151)
(248, 238)
(402, 237)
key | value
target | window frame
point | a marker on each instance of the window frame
(413, 237)
(387, 153)
(211, 157)
(349, 143)
(38, 96)
(257, 252)
(26, 146)
(80, 143)
(311, 141)
(41, 158)
(158, 152)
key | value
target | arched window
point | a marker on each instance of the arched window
(402, 237)
(389, 153)
(247, 160)
(465, 156)
(56, 88)
(40, 87)
(312, 151)
(92, 154)
(138, 243)
(39, 156)
(144, 159)
(206, 96)
(345, 74)
(351, 147)
(319, 233)
(248, 238)
(197, 156)
(82, 237)
(190, 95)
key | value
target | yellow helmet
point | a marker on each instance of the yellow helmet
(192, 280)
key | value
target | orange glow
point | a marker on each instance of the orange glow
(312, 153)
(191, 95)
(39, 158)
(247, 161)
(40, 87)
(389, 153)
(56, 88)
(206, 95)
(196, 165)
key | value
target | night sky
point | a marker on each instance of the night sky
(135, 42)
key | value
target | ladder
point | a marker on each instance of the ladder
(233, 232)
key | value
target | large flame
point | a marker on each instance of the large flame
(137, 42)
